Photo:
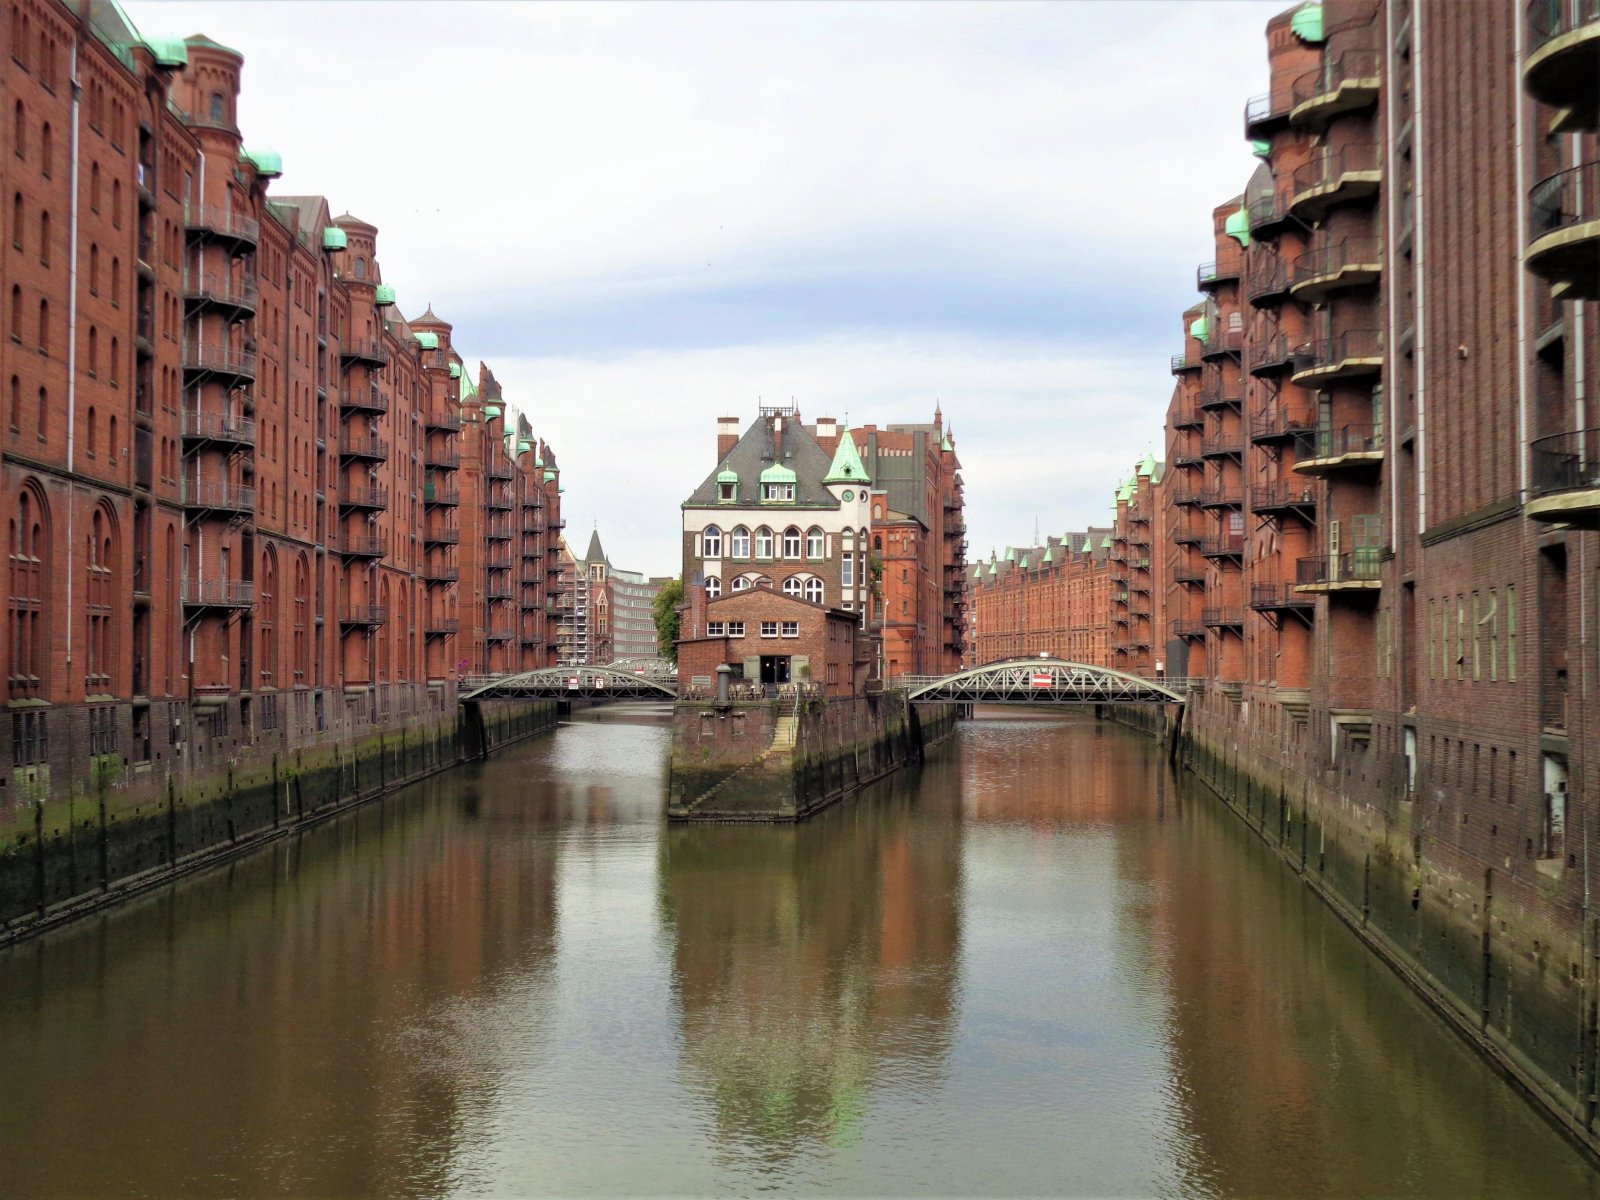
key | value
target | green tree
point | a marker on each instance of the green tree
(666, 614)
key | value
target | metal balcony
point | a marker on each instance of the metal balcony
(364, 616)
(218, 429)
(1214, 274)
(211, 360)
(440, 496)
(1565, 483)
(1270, 356)
(435, 574)
(1563, 60)
(1187, 416)
(1294, 496)
(216, 291)
(1341, 176)
(218, 593)
(504, 634)
(371, 497)
(447, 422)
(1187, 537)
(1222, 617)
(1355, 570)
(368, 447)
(1189, 497)
(440, 626)
(1265, 115)
(1324, 270)
(1279, 425)
(370, 352)
(498, 532)
(1223, 341)
(360, 545)
(1267, 283)
(218, 498)
(1278, 597)
(497, 562)
(1229, 545)
(1221, 395)
(1185, 362)
(499, 469)
(1267, 212)
(441, 460)
(1189, 576)
(1187, 457)
(498, 501)
(1350, 447)
(365, 399)
(436, 536)
(1353, 354)
(1187, 628)
(1223, 445)
(215, 223)
(1564, 230)
(1227, 496)
(1345, 84)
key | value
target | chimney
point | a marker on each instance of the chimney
(777, 437)
(727, 436)
(828, 434)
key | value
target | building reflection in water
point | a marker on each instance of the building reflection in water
(816, 964)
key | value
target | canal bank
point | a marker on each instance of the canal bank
(1511, 969)
(788, 758)
(64, 857)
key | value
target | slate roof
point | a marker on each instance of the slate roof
(753, 453)
(596, 552)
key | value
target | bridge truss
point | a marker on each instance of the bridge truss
(575, 683)
(1037, 681)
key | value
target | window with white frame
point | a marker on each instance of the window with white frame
(741, 583)
(813, 590)
(778, 491)
(739, 542)
(735, 628)
(769, 629)
(715, 628)
(763, 542)
(847, 570)
(713, 587)
(711, 542)
(791, 586)
(815, 546)
(791, 629)
(791, 542)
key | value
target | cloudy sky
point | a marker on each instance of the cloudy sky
(646, 216)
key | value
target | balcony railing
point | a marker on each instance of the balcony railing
(1208, 275)
(440, 626)
(442, 460)
(365, 497)
(218, 593)
(1187, 537)
(1228, 545)
(1279, 425)
(449, 422)
(1351, 262)
(440, 574)
(219, 497)
(220, 290)
(364, 615)
(1269, 596)
(1344, 84)
(1221, 395)
(441, 537)
(366, 446)
(1189, 497)
(1188, 575)
(362, 546)
(1223, 445)
(207, 218)
(1564, 231)
(370, 351)
(1357, 568)
(1272, 354)
(218, 359)
(219, 427)
(365, 399)
(1222, 617)
(1563, 59)
(1229, 495)
(499, 469)
(1348, 355)
(1187, 416)
(1351, 172)
(1283, 494)
(1320, 450)
(433, 493)
(1565, 483)
(1266, 211)
(1267, 281)
(1185, 362)
(500, 634)
(1188, 628)
(1262, 114)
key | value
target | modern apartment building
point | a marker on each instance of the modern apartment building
(611, 611)
(241, 488)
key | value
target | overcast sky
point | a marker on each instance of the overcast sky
(647, 216)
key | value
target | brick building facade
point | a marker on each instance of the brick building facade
(608, 613)
(249, 504)
(1052, 599)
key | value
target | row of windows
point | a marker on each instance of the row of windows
(738, 542)
(1465, 635)
(769, 629)
(805, 587)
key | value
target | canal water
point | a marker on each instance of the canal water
(1036, 965)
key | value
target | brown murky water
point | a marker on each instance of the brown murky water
(1035, 966)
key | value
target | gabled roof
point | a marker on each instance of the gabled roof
(847, 466)
(753, 454)
(596, 552)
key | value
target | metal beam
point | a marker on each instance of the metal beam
(574, 683)
(1038, 681)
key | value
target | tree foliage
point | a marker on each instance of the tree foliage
(666, 615)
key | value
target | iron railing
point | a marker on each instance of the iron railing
(1567, 198)
(364, 614)
(1270, 354)
(356, 445)
(1336, 443)
(1342, 347)
(1285, 493)
(1327, 170)
(219, 359)
(365, 497)
(218, 593)
(211, 219)
(1221, 617)
(1323, 262)
(1334, 74)
(222, 497)
(1279, 424)
(1224, 546)
(1360, 565)
(1565, 462)
(219, 427)
(1278, 595)
(1550, 19)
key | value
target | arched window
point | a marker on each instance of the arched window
(815, 544)
(792, 586)
(44, 415)
(99, 600)
(94, 351)
(47, 150)
(16, 221)
(28, 611)
(14, 413)
(713, 587)
(19, 130)
(94, 269)
(813, 590)
(16, 312)
(216, 107)
(791, 542)
(361, 268)
(763, 542)
(116, 282)
(739, 543)
(302, 647)
(741, 583)
(111, 441)
(94, 187)
(111, 366)
(44, 327)
(877, 541)
(116, 204)
(44, 238)
(267, 616)
(711, 542)
(93, 429)
(847, 540)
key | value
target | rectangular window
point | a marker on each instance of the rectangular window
(1432, 614)
(777, 491)
(714, 628)
(1494, 634)
(791, 629)
(735, 628)
(1461, 636)
(1477, 639)
(847, 570)
(1511, 633)
(769, 629)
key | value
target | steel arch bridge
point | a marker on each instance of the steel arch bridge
(575, 683)
(1037, 681)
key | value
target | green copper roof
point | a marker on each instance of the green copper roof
(549, 476)
(727, 475)
(993, 570)
(1200, 328)
(523, 445)
(455, 370)
(1124, 493)
(491, 411)
(427, 339)
(268, 163)
(168, 51)
(1105, 542)
(946, 446)
(1088, 545)
(1049, 556)
(1260, 148)
(777, 473)
(1011, 555)
(334, 238)
(1307, 22)
(1237, 226)
(1147, 464)
(383, 294)
(977, 571)
(847, 465)
(1024, 563)
(467, 390)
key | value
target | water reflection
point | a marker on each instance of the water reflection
(813, 964)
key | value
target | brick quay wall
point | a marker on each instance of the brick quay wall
(115, 834)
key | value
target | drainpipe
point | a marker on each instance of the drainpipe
(1388, 275)
(72, 337)
(1418, 141)
(1520, 141)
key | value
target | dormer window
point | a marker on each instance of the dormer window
(727, 491)
(778, 493)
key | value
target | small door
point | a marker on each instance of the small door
(774, 668)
